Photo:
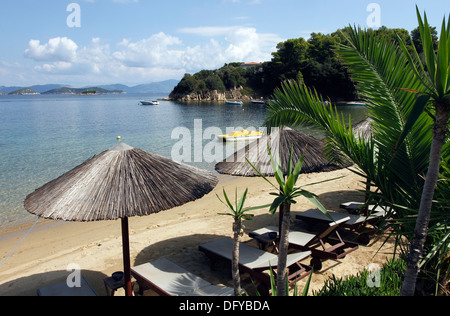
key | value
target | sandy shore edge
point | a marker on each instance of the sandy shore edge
(43, 256)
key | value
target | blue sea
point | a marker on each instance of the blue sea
(44, 136)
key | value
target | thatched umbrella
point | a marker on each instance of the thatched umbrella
(363, 129)
(281, 142)
(120, 183)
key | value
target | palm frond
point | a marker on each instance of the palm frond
(380, 70)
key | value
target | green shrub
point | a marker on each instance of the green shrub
(389, 281)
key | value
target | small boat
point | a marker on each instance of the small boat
(238, 102)
(259, 101)
(149, 102)
(240, 136)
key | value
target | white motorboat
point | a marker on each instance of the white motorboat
(238, 102)
(149, 102)
(259, 101)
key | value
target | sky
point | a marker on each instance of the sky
(97, 42)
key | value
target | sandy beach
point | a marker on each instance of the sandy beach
(43, 256)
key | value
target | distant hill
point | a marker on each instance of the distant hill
(7, 90)
(163, 87)
(46, 87)
(118, 86)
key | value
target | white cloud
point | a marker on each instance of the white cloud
(151, 52)
(56, 49)
(241, 43)
(158, 57)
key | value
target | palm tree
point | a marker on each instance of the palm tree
(436, 95)
(238, 212)
(398, 155)
(286, 194)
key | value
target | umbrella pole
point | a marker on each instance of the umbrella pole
(126, 257)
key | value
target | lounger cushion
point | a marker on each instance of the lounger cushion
(318, 215)
(250, 257)
(376, 211)
(62, 289)
(177, 281)
(295, 237)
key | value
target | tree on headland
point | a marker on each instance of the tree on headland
(312, 61)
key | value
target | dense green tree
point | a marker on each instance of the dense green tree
(213, 82)
(187, 85)
(289, 57)
(232, 76)
(416, 40)
(324, 71)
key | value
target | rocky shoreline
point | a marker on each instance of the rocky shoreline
(214, 95)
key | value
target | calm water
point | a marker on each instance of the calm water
(42, 137)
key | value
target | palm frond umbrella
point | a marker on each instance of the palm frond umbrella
(363, 129)
(282, 142)
(119, 183)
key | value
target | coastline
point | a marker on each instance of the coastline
(42, 257)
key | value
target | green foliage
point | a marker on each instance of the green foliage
(362, 284)
(187, 85)
(213, 82)
(380, 69)
(273, 287)
(436, 81)
(436, 76)
(287, 191)
(237, 211)
(228, 77)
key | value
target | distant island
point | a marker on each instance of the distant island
(162, 87)
(24, 91)
(66, 90)
(83, 91)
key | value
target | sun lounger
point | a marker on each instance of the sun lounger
(316, 243)
(256, 261)
(169, 279)
(62, 289)
(373, 210)
(357, 223)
